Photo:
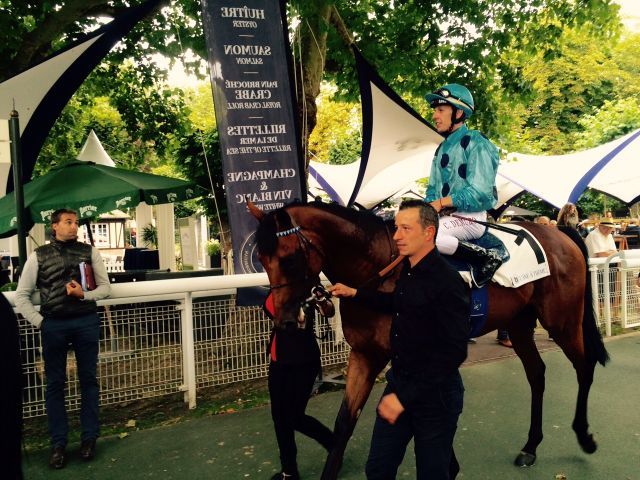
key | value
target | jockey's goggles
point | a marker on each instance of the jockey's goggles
(449, 98)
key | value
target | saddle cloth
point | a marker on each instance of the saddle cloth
(525, 259)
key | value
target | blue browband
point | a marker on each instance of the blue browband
(284, 233)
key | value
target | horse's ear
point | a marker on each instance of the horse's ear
(255, 211)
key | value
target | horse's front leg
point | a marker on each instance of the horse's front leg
(522, 338)
(361, 374)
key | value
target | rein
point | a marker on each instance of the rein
(389, 268)
(318, 297)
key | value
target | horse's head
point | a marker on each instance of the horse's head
(293, 260)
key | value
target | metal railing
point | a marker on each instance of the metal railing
(616, 298)
(167, 336)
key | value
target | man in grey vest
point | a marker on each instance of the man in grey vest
(68, 316)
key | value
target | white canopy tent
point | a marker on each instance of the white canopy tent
(93, 151)
(398, 146)
(611, 168)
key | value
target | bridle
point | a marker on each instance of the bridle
(305, 245)
(318, 299)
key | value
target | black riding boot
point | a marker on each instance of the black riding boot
(484, 263)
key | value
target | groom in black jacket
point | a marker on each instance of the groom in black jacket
(429, 331)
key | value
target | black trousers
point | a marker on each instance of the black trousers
(289, 388)
(431, 421)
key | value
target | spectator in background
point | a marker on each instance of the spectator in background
(608, 215)
(632, 232)
(600, 242)
(582, 229)
(68, 315)
(568, 216)
(623, 227)
(633, 227)
(553, 223)
(543, 220)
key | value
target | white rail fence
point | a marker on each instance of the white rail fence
(167, 336)
(616, 297)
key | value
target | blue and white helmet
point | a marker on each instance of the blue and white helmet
(458, 96)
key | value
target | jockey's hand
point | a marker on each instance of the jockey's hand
(437, 205)
(390, 408)
(341, 290)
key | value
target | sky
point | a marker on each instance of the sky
(630, 13)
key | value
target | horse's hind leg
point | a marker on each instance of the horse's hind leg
(573, 347)
(521, 335)
(361, 375)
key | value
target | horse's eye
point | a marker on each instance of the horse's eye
(290, 264)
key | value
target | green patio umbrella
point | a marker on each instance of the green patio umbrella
(91, 189)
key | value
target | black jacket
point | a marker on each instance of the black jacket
(430, 326)
(58, 264)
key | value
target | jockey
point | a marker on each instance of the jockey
(463, 177)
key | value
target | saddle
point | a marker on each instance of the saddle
(524, 259)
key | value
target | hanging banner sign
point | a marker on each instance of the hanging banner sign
(253, 97)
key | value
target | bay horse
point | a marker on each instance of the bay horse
(296, 242)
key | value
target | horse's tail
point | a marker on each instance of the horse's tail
(593, 345)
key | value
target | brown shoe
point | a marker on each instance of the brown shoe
(88, 449)
(58, 458)
(506, 343)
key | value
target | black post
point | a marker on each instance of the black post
(16, 162)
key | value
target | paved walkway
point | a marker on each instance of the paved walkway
(492, 429)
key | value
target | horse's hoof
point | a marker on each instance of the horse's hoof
(588, 444)
(525, 459)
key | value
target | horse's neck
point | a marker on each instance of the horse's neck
(352, 256)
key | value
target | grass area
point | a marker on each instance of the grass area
(125, 417)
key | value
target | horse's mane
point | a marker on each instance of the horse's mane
(279, 220)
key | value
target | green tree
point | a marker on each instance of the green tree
(135, 120)
(338, 122)
(572, 83)
(415, 45)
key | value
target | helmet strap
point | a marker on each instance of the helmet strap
(454, 120)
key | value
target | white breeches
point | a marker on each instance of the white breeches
(453, 229)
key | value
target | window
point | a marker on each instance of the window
(100, 233)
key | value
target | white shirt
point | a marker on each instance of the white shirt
(597, 242)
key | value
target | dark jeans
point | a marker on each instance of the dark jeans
(431, 421)
(289, 388)
(82, 333)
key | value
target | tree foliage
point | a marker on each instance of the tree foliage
(416, 45)
(135, 120)
(548, 75)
